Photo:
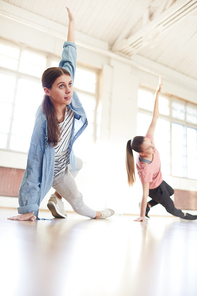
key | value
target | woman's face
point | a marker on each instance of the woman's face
(61, 91)
(148, 147)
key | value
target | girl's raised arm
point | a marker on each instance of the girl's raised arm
(71, 27)
(155, 117)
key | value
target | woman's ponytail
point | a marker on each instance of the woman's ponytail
(134, 144)
(53, 131)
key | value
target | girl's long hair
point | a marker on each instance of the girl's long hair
(134, 144)
(48, 78)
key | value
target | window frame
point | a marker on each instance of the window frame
(97, 96)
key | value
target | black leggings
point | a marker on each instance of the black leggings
(161, 195)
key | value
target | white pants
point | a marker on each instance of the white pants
(65, 186)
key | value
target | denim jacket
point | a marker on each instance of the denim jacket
(38, 176)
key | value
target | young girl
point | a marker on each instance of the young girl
(149, 170)
(51, 162)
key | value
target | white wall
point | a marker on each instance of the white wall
(103, 181)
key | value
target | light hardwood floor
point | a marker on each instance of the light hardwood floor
(84, 257)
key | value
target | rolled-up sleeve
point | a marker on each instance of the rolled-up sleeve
(69, 58)
(29, 192)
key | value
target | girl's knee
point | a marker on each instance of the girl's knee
(171, 191)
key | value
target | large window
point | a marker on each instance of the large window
(21, 94)
(176, 132)
(86, 85)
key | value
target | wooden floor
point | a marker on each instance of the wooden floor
(84, 257)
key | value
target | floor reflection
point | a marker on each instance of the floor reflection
(85, 257)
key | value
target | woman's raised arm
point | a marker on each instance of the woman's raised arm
(155, 117)
(71, 27)
(69, 53)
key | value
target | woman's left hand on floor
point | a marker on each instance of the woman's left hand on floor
(23, 217)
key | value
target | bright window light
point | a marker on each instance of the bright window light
(4, 124)
(22, 127)
(191, 142)
(7, 87)
(192, 152)
(9, 56)
(178, 150)
(178, 132)
(162, 142)
(5, 110)
(8, 63)
(18, 143)
(191, 115)
(3, 140)
(145, 100)
(88, 103)
(29, 92)
(191, 166)
(164, 105)
(178, 110)
(31, 63)
(54, 63)
(9, 51)
(85, 81)
(143, 121)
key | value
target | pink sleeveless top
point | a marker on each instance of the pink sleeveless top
(150, 173)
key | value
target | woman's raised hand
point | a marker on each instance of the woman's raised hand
(71, 27)
(70, 15)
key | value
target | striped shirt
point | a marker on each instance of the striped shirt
(62, 155)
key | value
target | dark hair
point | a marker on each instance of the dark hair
(134, 144)
(48, 78)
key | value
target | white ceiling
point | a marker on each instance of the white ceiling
(163, 31)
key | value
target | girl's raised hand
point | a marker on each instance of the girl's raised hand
(160, 84)
(70, 15)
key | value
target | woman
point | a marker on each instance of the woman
(51, 161)
(149, 170)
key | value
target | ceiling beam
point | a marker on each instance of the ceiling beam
(161, 23)
(142, 6)
(165, 72)
(57, 30)
(43, 24)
